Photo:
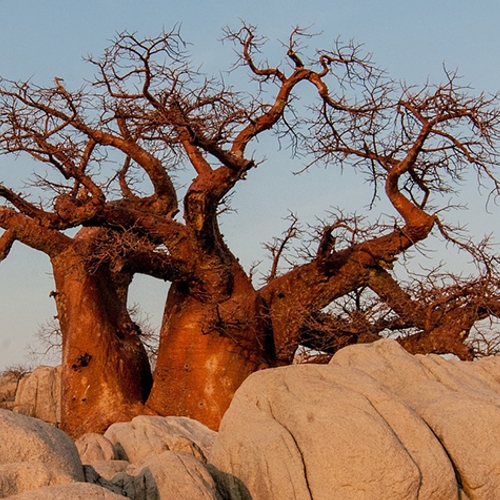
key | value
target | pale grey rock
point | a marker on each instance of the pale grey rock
(9, 382)
(74, 491)
(39, 394)
(169, 475)
(93, 477)
(488, 369)
(27, 439)
(458, 402)
(24, 476)
(109, 468)
(458, 375)
(311, 432)
(94, 447)
(151, 435)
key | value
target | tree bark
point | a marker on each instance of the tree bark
(106, 375)
(207, 349)
(446, 337)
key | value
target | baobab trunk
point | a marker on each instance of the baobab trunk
(105, 371)
(207, 350)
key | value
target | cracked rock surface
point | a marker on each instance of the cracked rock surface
(376, 423)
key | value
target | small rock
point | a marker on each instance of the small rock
(109, 468)
(39, 395)
(74, 491)
(167, 476)
(151, 435)
(94, 447)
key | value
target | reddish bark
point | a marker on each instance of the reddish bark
(106, 375)
(206, 351)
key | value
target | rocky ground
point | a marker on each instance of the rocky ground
(376, 423)
(9, 382)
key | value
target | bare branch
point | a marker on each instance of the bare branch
(6, 241)
(279, 246)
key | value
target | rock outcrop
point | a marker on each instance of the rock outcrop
(145, 436)
(151, 458)
(459, 401)
(9, 383)
(73, 491)
(166, 476)
(376, 423)
(324, 433)
(25, 439)
(40, 461)
(39, 394)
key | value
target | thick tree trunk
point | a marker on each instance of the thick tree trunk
(106, 375)
(207, 350)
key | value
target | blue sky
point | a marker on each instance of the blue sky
(412, 40)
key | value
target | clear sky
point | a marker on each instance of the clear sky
(412, 40)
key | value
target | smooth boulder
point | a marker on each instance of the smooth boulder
(27, 439)
(313, 432)
(459, 401)
(39, 394)
(152, 435)
(94, 447)
(18, 477)
(167, 476)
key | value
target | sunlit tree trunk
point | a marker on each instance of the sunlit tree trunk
(105, 371)
(207, 349)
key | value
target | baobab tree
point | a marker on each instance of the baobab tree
(149, 112)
